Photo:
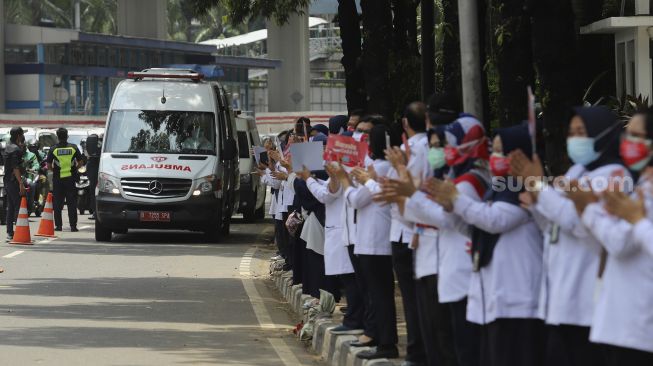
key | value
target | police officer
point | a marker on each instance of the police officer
(13, 178)
(64, 159)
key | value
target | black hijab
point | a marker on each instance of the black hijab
(483, 243)
(601, 123)
(338, 123)
(439, 131)
(377, 142)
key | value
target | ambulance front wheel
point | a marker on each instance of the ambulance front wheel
(102, 233)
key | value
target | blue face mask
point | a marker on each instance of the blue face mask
(581, 150)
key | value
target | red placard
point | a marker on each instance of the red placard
(345, 150)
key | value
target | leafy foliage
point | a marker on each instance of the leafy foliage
(239, 11)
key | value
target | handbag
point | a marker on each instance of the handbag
(294, 221)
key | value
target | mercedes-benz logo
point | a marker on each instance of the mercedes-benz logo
(155, 187)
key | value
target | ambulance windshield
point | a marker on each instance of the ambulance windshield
(161, 132)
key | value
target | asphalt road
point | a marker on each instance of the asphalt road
(147, 298)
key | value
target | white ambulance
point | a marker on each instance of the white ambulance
(169, 157)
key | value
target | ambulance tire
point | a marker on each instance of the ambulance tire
(212, 236)
(102, 233)
(259, 214)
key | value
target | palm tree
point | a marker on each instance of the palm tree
(98, 16)
(31, 12)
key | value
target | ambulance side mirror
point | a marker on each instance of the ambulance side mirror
(230, 150)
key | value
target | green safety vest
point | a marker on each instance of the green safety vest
(64, 156)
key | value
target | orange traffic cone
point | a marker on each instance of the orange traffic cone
(21, 233)
(46, 226)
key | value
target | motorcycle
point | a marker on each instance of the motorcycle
(83, 186)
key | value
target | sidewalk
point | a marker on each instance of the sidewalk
(333, 349)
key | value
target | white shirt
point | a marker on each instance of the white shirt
(571, 264)
(336, 255)
(452, 256)
(624, 313)
(401, 230)
(373, 220)
(509, 286)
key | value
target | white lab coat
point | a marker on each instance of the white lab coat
(624, 313)
(401, 230)
(336, 255)
(571, 265)
(373, 219)
(452, 256)
(509, 286)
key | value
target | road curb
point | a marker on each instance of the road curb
(334, 349)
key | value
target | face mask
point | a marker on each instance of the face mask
(636, 152)
(358, 136)
(436, 157)
(581, 150)
(499, 165)
(451, 155)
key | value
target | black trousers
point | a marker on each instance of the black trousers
(402, 261)
(569, 345)
(620, 356)
(296, 259)
(64, 190)
(355, 313)
(435, 323)
(377, 274)
(466, 335)
(92, 168)
(369, 325)
(513, 342)
(314, 278)
(13, 204)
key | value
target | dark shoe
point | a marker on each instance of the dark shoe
(371, 343)
(74, 229)
(342, 329)
(343, 309)
(58, 228)
(390, 352)
(411, 363)
(10, 237)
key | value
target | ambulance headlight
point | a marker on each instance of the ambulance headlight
(207, 185)
(108, 184)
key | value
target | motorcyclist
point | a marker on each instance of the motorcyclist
(31, 168)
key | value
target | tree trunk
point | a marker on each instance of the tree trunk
(514, 61)
(596, 52)
(350, 33)
(555, 56)
(428, 49)
(377, 36)
(451, 80)
(404, 56)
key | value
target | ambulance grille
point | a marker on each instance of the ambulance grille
(156, 188)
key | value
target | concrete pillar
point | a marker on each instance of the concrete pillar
(642, 7)
(643, 77)
(470, 58)
(2, 56)
(142, 18)
(289, 86)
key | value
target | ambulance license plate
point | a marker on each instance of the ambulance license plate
(155, 216)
